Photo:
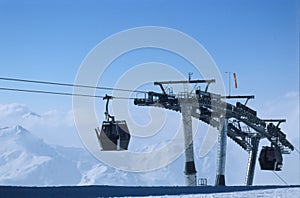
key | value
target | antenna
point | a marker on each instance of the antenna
(229, 80)
(190, 76)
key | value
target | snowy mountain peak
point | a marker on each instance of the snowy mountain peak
(12, 131)
(31, 115)
(17, 137)
(19, 129)
(28, 160)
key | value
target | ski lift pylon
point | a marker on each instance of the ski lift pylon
(114, 134)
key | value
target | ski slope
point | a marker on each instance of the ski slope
(268, 193)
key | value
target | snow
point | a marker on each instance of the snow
(269, 193)
(90, 177)
(27, 160)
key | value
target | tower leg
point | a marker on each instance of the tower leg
(252, 161)
(190, 170)
(221, 158)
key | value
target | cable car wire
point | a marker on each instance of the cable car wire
(297, 150)
(280, 178)
(68, 84)
(59, 93)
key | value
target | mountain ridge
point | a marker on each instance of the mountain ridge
(27, 160)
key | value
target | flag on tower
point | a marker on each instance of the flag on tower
(235, 81)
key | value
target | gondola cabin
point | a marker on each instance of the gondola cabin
(270, 158)
(114, 135)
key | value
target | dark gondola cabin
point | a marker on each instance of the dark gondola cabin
(114, 134)
(270, 158)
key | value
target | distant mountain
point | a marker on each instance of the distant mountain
(31, 115)
(53, 126)
(28, 161)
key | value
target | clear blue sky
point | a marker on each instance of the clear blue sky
(48, 40)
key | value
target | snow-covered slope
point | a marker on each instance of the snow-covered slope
(28, 161)
(27, 157)
(272, 193)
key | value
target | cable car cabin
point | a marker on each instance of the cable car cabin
(270, 158)
(114, 135)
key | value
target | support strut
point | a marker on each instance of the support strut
(251, 161)
(190, 170)
(222, 141)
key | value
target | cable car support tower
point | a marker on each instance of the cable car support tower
(238, 122)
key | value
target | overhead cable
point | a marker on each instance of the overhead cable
(68, 84)
(58, 93)
(280, 178)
